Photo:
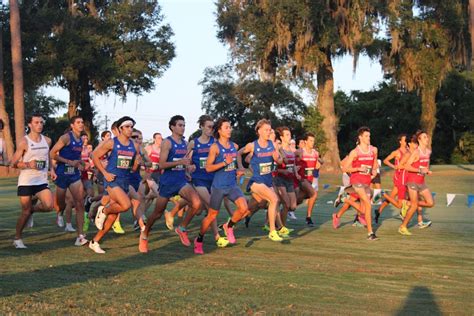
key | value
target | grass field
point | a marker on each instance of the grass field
(318, 271)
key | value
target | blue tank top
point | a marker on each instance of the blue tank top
(70, 152)
(225, 177)
(176, 174)
(121, 159)
(262, 163)
(200, 153)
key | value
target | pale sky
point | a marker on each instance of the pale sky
(197, 47)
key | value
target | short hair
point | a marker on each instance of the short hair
(114, 125)
(418, 133)
(399, 138)
(175, 119)
(279, 131)
(414, 139)
(261, 123)
(361, 131)
(203, 119)
(30, 117)
(74, 118)
(308, 135)
(124, 119)
(137, 131)
(104, 133)
(156, 134)
(84, 133)
(218, 126)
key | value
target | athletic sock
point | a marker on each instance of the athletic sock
(200, 237)
(230, 223)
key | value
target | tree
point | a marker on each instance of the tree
(100, 47)
(427, 39)
(7, 134)
(244, 102)
(18, 92)
(298, 39)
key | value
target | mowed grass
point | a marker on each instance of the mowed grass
(318, 271)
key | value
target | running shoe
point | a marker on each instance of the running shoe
(335, 221)
(291, 215)
(81, 240)
(229, 232)
(69, 228)
(377, 215)
(18, 243)
(100, 218)
(266, 228)
(183, 236)
(284, 232)
(87, 222)
(424, 224)
(222, 242)
(404, 210)
(29, 223)
(372, 237)
(143, 244)
(169, 220)
(273, 235)
(87, 204)
(117, 227)
(362, 220)
(404, 231)
(309, 222)
(198, 247)
(136, 226)
(96, 247)
(60, 220)
(356, 222)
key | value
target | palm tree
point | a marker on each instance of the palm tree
(18, 92)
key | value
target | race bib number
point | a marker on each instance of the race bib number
(202, 162)
(124, 162)
(178, 167)
(290, 167)
(265, 168)
(69, 169)
(367, 169)
(231, 166)
(308, 171)
(423, 172)
(154, 166)
(40, 164)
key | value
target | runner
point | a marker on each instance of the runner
(174, 159)
(307, 160)
(399, 184)
(67, 153)
(418, 166)
(222, 162)
(122, 159)
(362, 164)
(32, 158)
(153, 152)
(264, 155)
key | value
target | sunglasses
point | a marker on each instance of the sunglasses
(135, 136)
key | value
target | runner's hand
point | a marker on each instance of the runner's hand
(191, 168)
(109, 176)
(229, 159)
(185, 162)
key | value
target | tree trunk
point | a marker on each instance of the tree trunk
(73, 99)
(325, 104)
(17, 67)
(471, 31)
(86, 110)
(428, 112)
(7, 133)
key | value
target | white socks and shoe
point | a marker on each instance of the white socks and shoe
(95, 247)
(60, 220)
(100, 218)
(69, 228)
(18, 243)
(81, 241)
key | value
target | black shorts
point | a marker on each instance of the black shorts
(30, 190)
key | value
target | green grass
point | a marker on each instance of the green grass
(318, 271)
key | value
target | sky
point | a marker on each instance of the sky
(197, 47)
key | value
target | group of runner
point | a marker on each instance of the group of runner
(198, 176)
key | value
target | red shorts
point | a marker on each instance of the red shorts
(402, 191)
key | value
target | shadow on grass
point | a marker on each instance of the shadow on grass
(465, 168)
(80, 272)
(419, 301)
